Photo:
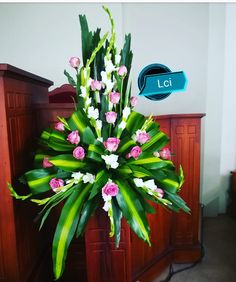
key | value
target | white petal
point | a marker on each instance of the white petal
(122, 125)
(150, 184)
(138, 182)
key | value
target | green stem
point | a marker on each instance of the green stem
(121, 95)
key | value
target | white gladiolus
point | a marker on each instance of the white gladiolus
(77, 176)
(93, 113)
(83, 91)
(111, 160)
(138, 182)
(107, 81)
(98, 124)
(126, 112)
(117, 59)
(150, 184)
(89, 82)
(109, 66)
(107, 204)
(89, 178)
(88, 101)
(122, 125)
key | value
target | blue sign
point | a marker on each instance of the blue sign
(157, 82)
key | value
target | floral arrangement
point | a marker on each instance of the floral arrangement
(105, 152)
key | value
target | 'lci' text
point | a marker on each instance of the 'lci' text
(164, 84)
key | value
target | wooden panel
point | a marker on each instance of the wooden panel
(186, 147)
(20, 242)
(108, 263)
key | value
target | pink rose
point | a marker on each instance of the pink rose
(56, 183)
(135, 152)
(122, 71)
(46, 162)
(110, 189)
(160, 192)
(111, 117)
(112, 144)
(96, 85)
(142, 137)
(74, 62)
(115, 97)
(79, 153)
(74, 137)
(165, 154)
(59, 126)
(133, 101)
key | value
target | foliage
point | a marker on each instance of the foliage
(78, 177)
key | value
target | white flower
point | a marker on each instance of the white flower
(89, 82)
(77, 176)
(88, 101)
(150, 184)
(109, 84)
(98, 124)
(83, 91)
(107, 204)
(117, 59)
(89, 178)
(109, 66)
(122, 125)
(111, 160)
(156, 154)
(100, 139)
(93, 113)
(104, 76)
(138, 182)
(126, 112)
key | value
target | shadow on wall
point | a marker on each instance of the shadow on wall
(218, 200)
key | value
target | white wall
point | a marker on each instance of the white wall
(196, 38)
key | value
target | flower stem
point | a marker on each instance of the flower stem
(121, 95)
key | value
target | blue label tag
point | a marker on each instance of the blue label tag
(163, 83)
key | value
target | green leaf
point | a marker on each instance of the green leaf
(68, 163)
(86, 38)
(100, 181)
(132, 210)
(117, 216)
(157, 142)
(53, 202)
(78, 121)
(181, 177)
(125, 144)
(70, 78)
(15, 195)
(66, 228)
(88, 136)
(88, 209)
(38, 179)
(167, 179)
(135, 122)
(178, 201)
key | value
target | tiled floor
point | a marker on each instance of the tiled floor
(219, 262)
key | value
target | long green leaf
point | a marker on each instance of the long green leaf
(68, 163)
(135, 122)
(132, 210)
(66, 228)
(88, 209)
(38, 179)
(117, 216)
(101, 179)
